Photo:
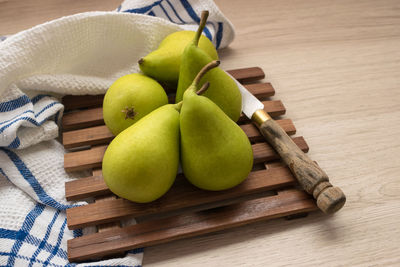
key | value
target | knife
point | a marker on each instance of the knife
(310, 176)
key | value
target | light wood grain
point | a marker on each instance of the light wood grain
(335, 65)
(18, 15)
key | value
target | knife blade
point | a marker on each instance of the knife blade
(310, 176)
(250, 103)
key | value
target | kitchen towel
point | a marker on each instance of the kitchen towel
(79, 54)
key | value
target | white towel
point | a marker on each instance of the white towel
(79, 54)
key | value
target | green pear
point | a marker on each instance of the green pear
(223, 90)
(163, 64)
(215, 152)
(141, 163)
(129, 99)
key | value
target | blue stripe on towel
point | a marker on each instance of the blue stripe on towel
(60, 236)
(27, 259)
(188, 8)
(30, 178)
(14, 104)
(29, 119)
(77, 233)
(176, 13)
(13, 234)
(19, 102)
(38, 97)
(8, 234)
(15, 143)
(44, 241)
(30, 239)
(220, 33)
(194, 16)
(166, 13)
(45, 108)
(144, 9)
(56, 117)
(20, 119)
(26, 111)
(26, 227)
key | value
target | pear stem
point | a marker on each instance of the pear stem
(203, 88)
(204, 70)
(202, 24)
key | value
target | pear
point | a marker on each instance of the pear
(215, 153)
(130, 98)
(223, 90)
(141, 163)
(163, 63)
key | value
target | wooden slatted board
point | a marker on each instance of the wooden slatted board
(269, 192)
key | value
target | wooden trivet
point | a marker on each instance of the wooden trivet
(269, 192)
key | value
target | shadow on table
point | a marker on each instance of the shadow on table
(202, 244)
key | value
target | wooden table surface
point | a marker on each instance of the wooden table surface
(336, 67)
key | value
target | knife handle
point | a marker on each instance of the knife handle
(310, 176)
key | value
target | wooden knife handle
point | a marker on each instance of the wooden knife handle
(310, 176)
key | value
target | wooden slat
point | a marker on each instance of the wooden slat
(112, 210)
(71, 102)
(101, 135)
(259, 90)
(102, 227)
(94, 117)
(89, 136)
(187, 225)
(92, 186)
(84, 160)
(105, 226)
(247, 74)
(92, 158)
(82, 119)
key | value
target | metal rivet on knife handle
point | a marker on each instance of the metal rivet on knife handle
(310, 176)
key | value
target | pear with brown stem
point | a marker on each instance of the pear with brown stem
(163, 64)
(223, 90)
(215, 152)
